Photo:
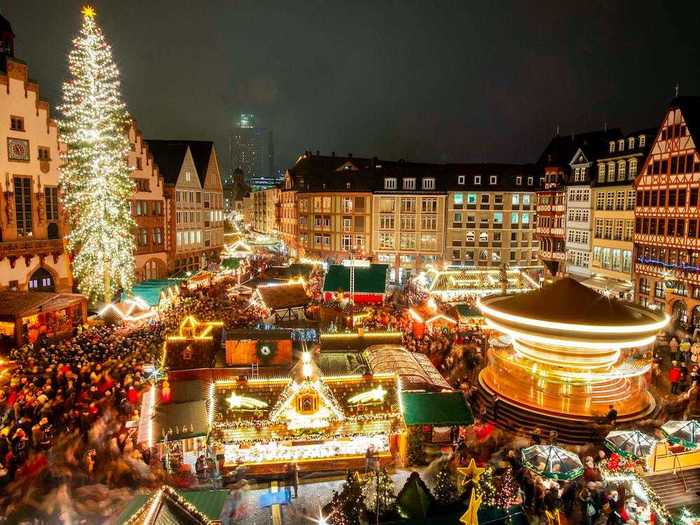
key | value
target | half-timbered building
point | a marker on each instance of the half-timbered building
(666, 240)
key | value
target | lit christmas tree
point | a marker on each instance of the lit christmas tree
(347, 506)
(95, 175)
(382, 489)
(445, 489)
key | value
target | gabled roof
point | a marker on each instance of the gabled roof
(169, 156)
(561, 149)
(690, 108)
(21, 304)
(201, 154)
(168, 506)
(281, 296)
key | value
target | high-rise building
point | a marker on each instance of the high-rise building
(251, 150)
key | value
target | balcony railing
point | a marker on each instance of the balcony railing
(22, 247)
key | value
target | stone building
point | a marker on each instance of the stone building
(32, 225)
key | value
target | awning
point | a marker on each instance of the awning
(435, 408)
(180, 420)
(150, 291)
(370, 280)
(608, 284)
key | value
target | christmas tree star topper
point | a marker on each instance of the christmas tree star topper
(88, 11)
(471, 472)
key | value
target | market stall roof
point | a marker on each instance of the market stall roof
(21, 304)
(290, 271)
(150, 291)
(369, 280)
(282, 296)
(415, 369)
(175, 506)
(356, 342)
(435, 408)
(568, 301)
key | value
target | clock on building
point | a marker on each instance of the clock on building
(17, 149)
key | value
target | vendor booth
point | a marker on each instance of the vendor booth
(27, 316)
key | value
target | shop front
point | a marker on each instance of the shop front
(25, 317)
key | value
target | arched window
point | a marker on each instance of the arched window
(41, 281)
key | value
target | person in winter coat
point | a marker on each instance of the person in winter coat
(674, 376)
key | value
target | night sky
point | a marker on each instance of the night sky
(420, 80)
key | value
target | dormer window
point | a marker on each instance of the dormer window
(188, 176)
(390, 183)
(429, 183)
(530, 181)
(518, 180)
(477, 179)
(347, 185)
(642, 140)
(409, 184)
(621, 144)
(461, 179)
(630, 143)
(493, 179)
(612, 146)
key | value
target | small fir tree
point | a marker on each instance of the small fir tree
(383, 490)
(347, 506)
(416, 452)
(95, 176)
(445, 489)
(506, 490)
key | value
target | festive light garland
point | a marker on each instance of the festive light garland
(95, 175)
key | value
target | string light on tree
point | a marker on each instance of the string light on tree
(95, 174)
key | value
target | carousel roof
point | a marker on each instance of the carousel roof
(568, 301)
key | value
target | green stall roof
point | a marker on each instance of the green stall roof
(150, 290)
(436, 408)
(208, 502)
(367, 280)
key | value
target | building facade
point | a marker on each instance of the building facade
(552, 197)
(490, 215)
(289, 216)
(148, 209)
(614, 199)
(266, 204)
(183, 193)
(666, 238)
(409, 217)
(207, 165)
(32, 225)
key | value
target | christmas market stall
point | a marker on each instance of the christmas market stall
(630, 443)
(455, 284)
(428, 317)
(357, 341)
(27, 316)
(359, 284)
(283, 302)
(129, 311)
(154, 292)
(319, 422)
(170, 506)
(552, 462)
(259, 348)
(415, 370)
(438, 415)
(195, 346)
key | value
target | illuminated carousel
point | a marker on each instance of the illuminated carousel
(567, 352)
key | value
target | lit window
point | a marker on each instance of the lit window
(461, 179)
(493, 179)
(390, 183)
(518, 180)
(429, 184)
(471, 198)
(477, 179)
(458, 198)
(409, 184)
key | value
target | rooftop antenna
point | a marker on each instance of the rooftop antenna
(678, 88)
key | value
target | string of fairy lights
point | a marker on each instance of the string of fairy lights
(95, 175)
